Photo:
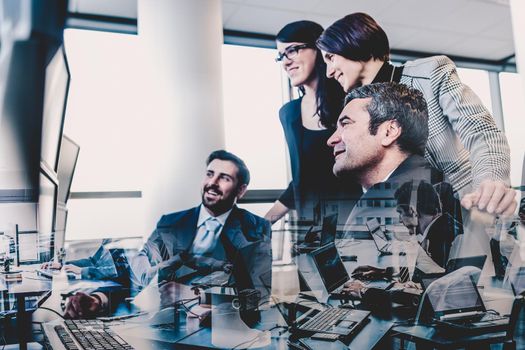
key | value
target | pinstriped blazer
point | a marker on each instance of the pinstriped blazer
(464, 142)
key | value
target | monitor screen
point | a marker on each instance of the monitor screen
(55, 98)
(462, 295)
(47, 203)
(60, 226)
(67, 162)
(331, 268)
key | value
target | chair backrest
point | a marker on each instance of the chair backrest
(517, 312)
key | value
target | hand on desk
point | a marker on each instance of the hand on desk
(51, 265)
(354, 289)
(72, 268)
(369, 273)
(82, 305)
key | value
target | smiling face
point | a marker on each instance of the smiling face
(355, 149)
(220, 188)
(347, 72)
(301, 68)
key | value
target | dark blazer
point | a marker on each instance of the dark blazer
(296, 196)
(290, 117)
(177, 231)
(413, 168)
(441, 234)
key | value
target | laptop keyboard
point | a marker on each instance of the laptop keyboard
(217, 278)
(485, 318)
(323, 321)
(90, 334)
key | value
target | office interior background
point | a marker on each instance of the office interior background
(156, 85)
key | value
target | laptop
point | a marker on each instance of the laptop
(331, 269)
(452, 265)
(461, 308)
(476, 261)
(338, 322)
(381, 240)
(333, 272)
(328, 233)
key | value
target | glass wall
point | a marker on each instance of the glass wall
(106, 118)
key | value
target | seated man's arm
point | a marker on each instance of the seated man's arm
(148, 262)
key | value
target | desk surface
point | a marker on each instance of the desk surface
(190, 335)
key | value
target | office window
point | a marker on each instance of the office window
(513, 100)
(478, 81)
(389, 221)
(107, 131)
(105, 117)
(253, 93)
(359, 221)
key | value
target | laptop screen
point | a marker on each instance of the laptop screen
(331, 268)
(517, 279)
(329, 229)
(462, 296)
(379, 237)
(476, 261)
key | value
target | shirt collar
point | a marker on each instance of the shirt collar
(205, 215)
(384, 180)
(385, 74)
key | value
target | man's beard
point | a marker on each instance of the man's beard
(221, 205)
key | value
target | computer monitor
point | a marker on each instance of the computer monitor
(46, 212)
(55, 98)
(67, 162)
(60, 226)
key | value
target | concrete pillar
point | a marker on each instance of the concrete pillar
(182, 42)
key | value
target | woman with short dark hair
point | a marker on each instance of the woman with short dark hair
(464, 141)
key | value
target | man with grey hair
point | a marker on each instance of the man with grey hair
(380, 141)
(380, 138)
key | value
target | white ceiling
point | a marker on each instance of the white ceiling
(478, 29)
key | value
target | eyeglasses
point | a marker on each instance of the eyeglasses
(291, 52)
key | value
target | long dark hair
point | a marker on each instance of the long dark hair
(329, 94)
(356, 37)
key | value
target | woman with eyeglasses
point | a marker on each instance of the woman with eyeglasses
(307, 121)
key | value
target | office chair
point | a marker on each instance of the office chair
(518, 309)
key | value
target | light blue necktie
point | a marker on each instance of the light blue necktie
(205, 244)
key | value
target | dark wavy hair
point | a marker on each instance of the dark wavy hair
(393, 101)
(356, 37)
(243, 174)
(329, 94)
(427, 200)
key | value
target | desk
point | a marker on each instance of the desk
(189, 335)
(30, 285)
(34, 285)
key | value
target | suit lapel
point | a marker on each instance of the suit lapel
(182, 234)
(232, 231)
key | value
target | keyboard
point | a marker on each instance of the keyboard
(326, 319)
(479, 319)
(215, 279)
(49, 273)
(89, 334)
